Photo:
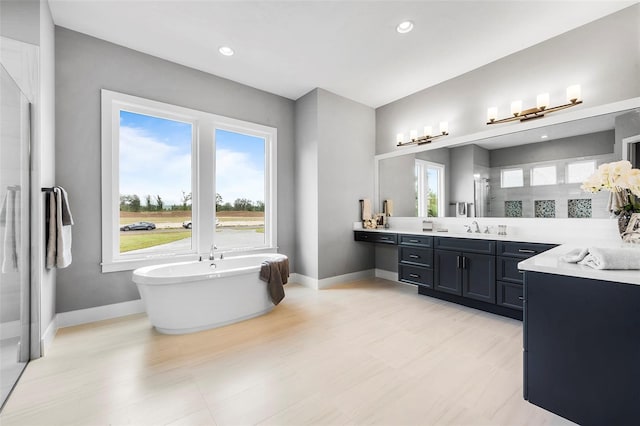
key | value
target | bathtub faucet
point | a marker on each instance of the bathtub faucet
(212, 254)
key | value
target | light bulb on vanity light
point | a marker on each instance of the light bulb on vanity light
(444, 127)
(492, 113)
(399, 137)
(413, 135)
(516, 108)
(542, 101)
(574, 93)
(428, 131)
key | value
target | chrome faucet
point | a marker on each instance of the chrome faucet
(477, 231)
(212, 254)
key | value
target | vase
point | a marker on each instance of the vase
(629, 227)
(623, 222)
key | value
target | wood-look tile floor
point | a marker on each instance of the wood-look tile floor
(363, 353)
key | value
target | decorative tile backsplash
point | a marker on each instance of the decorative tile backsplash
(579, 208)
(545, 208)
(513, 208)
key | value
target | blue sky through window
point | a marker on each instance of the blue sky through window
(155, 159)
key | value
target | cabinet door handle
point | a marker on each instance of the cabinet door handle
(414, 241)
(414, 256)
(464, 262)
(414, 275)
(458, 262)
(526, 251)
(384, 238)
(364, 237)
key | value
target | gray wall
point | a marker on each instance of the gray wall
(20, 20)
(334, 169)
(602, 56)
(306, 184)
(345, 175)
(461, 176)
(397, 181)
(84, 65)
(576, 146)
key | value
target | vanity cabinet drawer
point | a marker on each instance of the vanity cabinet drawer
(465, 244)
(521, 250)
(416, 256)
(415, 240)
(415, 275)
(510, 295)
(507, 270)
(376, 237)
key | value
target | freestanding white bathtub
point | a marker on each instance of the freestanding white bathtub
(191, 296)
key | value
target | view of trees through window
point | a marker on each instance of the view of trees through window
(240, 190)
(156, 193)
(155, 183)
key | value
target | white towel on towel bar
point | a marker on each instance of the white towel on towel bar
(60, 221)
(11, 234)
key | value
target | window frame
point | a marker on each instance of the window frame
(502, 171)
(540, 166)
(202, 181)
(568, 180)
(423, 165)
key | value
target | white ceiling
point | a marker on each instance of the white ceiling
(350, 48)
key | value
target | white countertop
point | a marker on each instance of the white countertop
(549, 262)
(472, 235)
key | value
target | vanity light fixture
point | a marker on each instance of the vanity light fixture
(427, 135)
(541, 108)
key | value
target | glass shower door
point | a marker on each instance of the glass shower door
(14, 233)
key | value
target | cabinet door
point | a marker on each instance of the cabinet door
(447, 271)
(507, 270)
(479, 277)
(509, 295)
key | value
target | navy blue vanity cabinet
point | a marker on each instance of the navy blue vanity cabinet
(582, 348)
(508, 278)
(376, 237)
(415, 259)
(465, 267)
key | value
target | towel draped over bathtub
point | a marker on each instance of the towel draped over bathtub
(276, 274)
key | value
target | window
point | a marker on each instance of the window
(579, 171)
(176, 181)
(543, 175)
(429, 189)
(240, 190)
(511, 178)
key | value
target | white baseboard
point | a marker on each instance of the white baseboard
(331, 281)
(304, 280)
(47, 337)
(386, 275)
(99, 313)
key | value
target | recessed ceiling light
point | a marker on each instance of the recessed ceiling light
(404, 27)
(544, 136)
(226, 51)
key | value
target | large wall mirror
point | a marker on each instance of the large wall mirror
(535, 173)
